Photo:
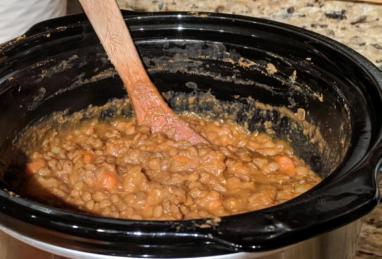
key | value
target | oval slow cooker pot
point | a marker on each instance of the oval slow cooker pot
(321, 96)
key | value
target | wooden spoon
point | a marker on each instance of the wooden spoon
(150, 108)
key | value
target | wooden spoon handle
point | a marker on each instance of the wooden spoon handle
(150, 108)
(108, 23)
(114, 37)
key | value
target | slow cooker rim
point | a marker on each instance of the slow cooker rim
(358, 60)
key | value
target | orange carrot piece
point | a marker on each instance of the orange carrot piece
(34, 166)
(87, 158)
(286, 165)
(107, 180)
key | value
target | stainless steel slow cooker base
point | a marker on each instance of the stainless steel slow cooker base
(340, 244)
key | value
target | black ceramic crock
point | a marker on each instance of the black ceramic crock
(53, 68)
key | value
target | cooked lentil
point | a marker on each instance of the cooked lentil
(119, 169)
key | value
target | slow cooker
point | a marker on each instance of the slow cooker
(59, 65)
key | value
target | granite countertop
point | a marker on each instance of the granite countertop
(357, 25)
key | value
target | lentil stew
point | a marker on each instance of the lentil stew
(115, 168)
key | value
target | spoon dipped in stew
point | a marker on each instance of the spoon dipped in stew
(149, 106)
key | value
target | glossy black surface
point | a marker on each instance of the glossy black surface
(350, 86)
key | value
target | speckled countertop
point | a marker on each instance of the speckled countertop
(357, 25)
